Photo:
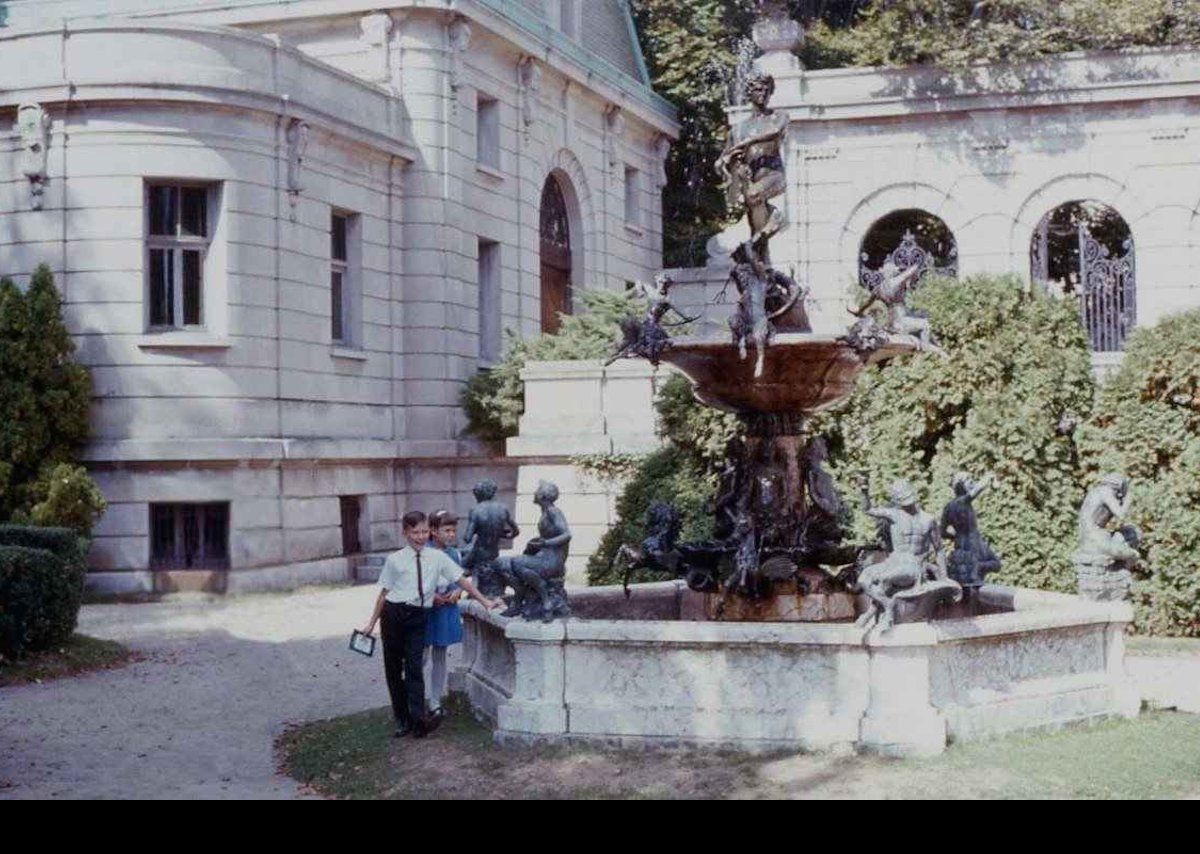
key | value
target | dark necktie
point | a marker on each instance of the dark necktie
(420, 583)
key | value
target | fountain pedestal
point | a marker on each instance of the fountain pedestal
(779, 518)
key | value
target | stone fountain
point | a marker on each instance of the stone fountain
(762, 645)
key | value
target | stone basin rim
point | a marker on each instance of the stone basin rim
(905, 343)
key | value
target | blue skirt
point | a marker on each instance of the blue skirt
(443, 626)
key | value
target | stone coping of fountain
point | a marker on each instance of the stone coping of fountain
(803, 372)
(1051, 660)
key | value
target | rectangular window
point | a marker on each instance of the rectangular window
(189, 536)
(351, 509)
(489, 302)
(487, 131)
(568, 18)
(339, 268)
(177, 244)
(632, 191)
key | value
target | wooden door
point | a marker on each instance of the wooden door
(555, 256)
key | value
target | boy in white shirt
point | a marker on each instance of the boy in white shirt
(408, 584)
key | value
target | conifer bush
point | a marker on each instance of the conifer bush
(1146, 424)
(44, 395)
(494, 399)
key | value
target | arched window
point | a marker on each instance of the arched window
(905, 238)
(555, 241)
(1085, 249)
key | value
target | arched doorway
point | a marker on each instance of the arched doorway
(1085, 249)
(905, 238)
(555, 231)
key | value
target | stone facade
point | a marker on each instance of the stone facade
(989, 152)
(648, 671)
(286, 116)
(574, 409)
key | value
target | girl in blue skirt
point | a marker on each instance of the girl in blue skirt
(443, 626)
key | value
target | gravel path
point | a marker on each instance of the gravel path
(219, 681)
(197, 717)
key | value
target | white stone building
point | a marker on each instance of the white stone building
(287, 232)
(993, 154)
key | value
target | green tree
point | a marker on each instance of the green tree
(495, 398)
(1147, 425)
(691, 49)
(1015, 378)
(45, 396)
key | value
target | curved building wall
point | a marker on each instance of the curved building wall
(258, 408)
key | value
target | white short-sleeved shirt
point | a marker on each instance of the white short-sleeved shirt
(399, 575)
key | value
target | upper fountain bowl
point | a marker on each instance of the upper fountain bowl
(803, 372)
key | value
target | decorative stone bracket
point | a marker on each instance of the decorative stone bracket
(662, 150)
(458, 36)
(529, 75)
(297, 144)
(33, 124)
(614, 127)
(379, 32)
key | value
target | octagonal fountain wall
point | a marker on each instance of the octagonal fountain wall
(649, 670)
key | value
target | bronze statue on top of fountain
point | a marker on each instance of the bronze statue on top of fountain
(762, 299)
(895, 284)
(752, 165)
(647, 337)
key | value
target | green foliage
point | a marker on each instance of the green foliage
(494, 399)
(690, 48)
(1146, 424)
(66, 497)
(1015, 374)
(45, 395)
(700, 432)
(667, 475)
(955, 33)
(42, 572)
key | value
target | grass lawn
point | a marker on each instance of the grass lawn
(1156, 756)
(81, 654)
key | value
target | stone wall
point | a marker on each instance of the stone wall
(653, 673)
(990, 151)
(259, 406)
(573, 409)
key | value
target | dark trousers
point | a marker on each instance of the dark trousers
(403, 653)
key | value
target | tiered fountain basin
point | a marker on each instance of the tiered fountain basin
(803, 372)
(650, 671)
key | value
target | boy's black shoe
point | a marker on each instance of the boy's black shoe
(402, 730)
(419, 729)
(434, 720)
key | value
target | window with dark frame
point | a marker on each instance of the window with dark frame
(490, 337)
(177, 242)
(632, 188)
(487, 131)
(339, 271)
(189, 536)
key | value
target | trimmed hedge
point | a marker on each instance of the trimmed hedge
(1146, 424)
(42, 573)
